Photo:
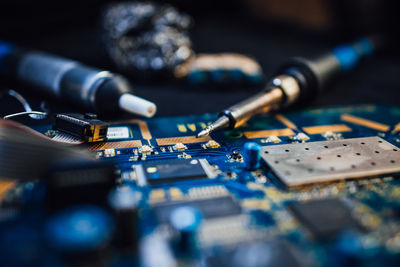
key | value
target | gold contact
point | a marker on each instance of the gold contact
(366, 123)
(183, 140)
(99, 133)
(285, 121)
(5, 185)
(327, 128)
(396, 128)
(122, 144)
(144, 130)
(267, 133)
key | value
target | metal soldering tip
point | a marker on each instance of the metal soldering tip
(221, 122)
(204, 132)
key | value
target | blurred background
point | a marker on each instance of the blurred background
(269, 31)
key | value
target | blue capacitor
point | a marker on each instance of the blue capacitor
(186, 220)
(252, 155)
(82, 228)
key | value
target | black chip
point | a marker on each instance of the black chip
(210, 208)
(271, 253)
(325, 218)
(173, 170)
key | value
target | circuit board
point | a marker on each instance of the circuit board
(324, 194)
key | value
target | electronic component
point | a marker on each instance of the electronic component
(179, 146)
(273, 139)
(86, 127)
(174, 170)
(304, 163)
(109, 152)
(79, 230)
(268, 253)
(252, 156)
(75, 182)
(325, 218)
(121, 132)
(124, 202)
(209, 207)
(212, 144)
(186, 221)
(145, 149)
(301, 137)
(236, 155)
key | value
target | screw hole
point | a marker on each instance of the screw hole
(297, 160)
(286, 150)
(353, 166)
(306, 148)
(339, 156)
(344, 144)
(362, 143)
(380, 141)
(266, 152)
(318, 158)
(326, 146)
(358, 154)
(394, 149)
(377, 152)
(392, 161)
(373, 163)
(276, 161)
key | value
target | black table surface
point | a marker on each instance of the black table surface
(376, 81)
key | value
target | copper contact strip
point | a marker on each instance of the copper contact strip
(5, 185)
(285, 121)
(364, 122)
(184, 140)
(267, 133)
(144, 130)
(327, 128)
(122, 144)
(396, 128)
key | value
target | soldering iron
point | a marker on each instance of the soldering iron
(298, 80)
(93, 89)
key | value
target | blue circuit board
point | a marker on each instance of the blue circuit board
(241, 216)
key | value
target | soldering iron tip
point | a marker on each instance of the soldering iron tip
(204, 132)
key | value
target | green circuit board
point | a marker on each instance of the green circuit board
(325, 192)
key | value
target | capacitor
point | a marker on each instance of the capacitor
(79, 230)
(252, 155)
(186, 220)
(124, 201)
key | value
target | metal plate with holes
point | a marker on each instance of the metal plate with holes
(314, 162)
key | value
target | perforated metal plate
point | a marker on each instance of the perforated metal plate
(304, 163)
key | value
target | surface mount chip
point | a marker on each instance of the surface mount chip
(325, 218)
(304, 163)
(174, 170)
(271, 253)
(210, 207)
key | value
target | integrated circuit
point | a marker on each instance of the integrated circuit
(314, 162)
(210, 207)
(174, 170)
(262, 253)
(325, 218)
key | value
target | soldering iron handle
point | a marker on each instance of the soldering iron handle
(313, 75)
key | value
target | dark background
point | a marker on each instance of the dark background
(70, 29)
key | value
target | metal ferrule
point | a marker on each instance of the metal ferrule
(259, 103)
(289, 86)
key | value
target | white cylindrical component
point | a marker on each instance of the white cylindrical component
(137, 105)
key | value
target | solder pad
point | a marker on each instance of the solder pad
(304, 163)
